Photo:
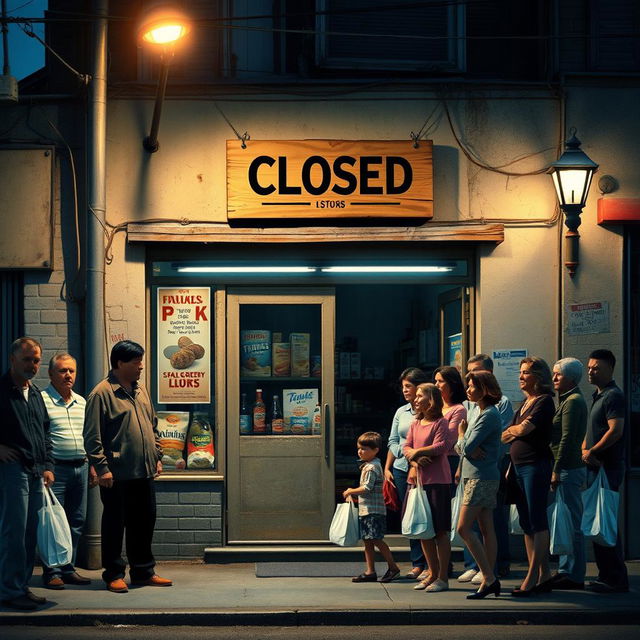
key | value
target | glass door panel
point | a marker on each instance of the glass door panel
(454, 328)
(279, 382)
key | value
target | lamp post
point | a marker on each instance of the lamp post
(162, 26)
(572, 173)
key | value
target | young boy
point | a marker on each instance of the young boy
(371, 510)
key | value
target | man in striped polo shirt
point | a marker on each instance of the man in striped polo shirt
(66, 416)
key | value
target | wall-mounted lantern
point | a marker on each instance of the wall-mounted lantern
(161, 26)
(572, 173)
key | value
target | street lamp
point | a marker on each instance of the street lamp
(572, 173)
(161, 26)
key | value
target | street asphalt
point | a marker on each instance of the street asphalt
(231, 594)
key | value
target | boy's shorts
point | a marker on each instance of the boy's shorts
(373, 526)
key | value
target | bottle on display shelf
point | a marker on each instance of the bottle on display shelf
(259, 414)
(316, 423)
(277, 417)
(245, 417)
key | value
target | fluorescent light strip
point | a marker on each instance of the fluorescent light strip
(388, 269)
(256, 269)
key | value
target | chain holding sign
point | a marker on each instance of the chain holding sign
(184, 345)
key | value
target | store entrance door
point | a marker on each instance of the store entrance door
(280, 474)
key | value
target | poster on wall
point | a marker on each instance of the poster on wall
(588, 317)
(184, 345)
(455, 350)
(506, 368)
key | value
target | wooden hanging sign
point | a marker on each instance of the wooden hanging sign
(279, 179)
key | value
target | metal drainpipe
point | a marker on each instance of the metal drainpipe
(95, 350)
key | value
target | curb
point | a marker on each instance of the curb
(312, 617)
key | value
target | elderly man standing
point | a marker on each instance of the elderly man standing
(603, 446)
(25, 460)
(66, 418)
(569, 474)
(121, 440)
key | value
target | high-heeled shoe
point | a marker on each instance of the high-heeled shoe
(544, 587)
(522, 593)
(494, 588)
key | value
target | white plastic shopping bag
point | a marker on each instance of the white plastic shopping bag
(345, 526)
(456, 504)
(600, 515)
(417, 522)
(54, 535)
(514, 521)
(560, 526)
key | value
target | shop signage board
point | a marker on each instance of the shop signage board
(275, 179)
(506, 368)
(454, 343)
(587, 318)
(184, 345)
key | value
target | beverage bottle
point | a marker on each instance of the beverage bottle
(277, 418)
(316, 423)
(245, 417)
(259, 414)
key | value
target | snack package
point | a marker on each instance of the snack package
(281, 359)
(255, 353)
(200, 450)
(299, 354)
(172, 429)
(298, 408)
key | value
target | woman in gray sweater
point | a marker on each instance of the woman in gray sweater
(479, 448)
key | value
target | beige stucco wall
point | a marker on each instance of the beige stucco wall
(519, 294)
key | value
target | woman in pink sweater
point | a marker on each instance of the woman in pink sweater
(428, 442)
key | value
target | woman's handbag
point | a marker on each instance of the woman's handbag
(54, 535)
(456, 504)
(390, 495)
(514, 521)
(560, 526)
(345, 526)
(600, 515)
(417, 522)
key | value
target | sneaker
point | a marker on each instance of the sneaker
(467, 576)
(477, 579)
(438, 585)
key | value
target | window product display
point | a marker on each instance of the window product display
(246, 426)
(187, 440)
(200, 450)
(259, 414)
(277, 418)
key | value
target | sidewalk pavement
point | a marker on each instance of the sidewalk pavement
(231, 594)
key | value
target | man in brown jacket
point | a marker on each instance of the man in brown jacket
(121, 440)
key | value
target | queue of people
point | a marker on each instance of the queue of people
(501, 456)
(57, 439)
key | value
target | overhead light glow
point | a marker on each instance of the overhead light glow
(163, 24)
(257, 269)
(164, 34)
(388, 269)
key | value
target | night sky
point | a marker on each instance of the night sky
(26, 54)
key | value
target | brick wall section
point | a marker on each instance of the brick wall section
(189, 519)
(50, 319)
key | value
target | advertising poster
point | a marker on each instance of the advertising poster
(184, 345)
(455, 350)
(506, 368)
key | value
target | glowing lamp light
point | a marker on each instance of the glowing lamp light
(163, 25)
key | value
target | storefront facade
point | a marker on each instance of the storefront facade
(492, 234)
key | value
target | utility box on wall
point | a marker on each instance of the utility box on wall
(26, 198)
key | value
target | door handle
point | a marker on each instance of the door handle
(327, 434)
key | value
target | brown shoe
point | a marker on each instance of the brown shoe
(75, 578)
(118, 586)
(153, 581)
(34, 598)
(54, 583)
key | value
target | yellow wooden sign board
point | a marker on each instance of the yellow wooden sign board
(329, 179)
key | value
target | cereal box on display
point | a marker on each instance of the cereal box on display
(255, 353)
(298, 407)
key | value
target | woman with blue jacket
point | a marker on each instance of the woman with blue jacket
(479, 449)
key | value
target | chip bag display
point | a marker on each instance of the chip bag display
(172, 430)
(200, 449)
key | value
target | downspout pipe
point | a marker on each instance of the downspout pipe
(95, 350)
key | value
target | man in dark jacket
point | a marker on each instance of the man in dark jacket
(121, 440)
(25, 460)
